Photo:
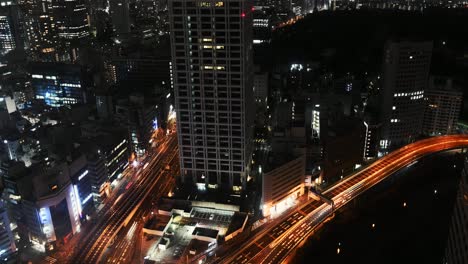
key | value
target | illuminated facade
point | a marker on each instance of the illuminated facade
(7, 41)
(107, 151)
(57, 84)
(213, 79)
(72, 19)
(45, 204)
(41, 28)
(405, 75)
(282, 185)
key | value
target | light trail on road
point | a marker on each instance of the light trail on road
(277, 242)
(123, 209)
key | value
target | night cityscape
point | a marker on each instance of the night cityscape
(233, 131)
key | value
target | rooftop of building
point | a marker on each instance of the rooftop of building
(191, 193)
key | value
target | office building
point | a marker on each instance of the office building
(138, 115)
(11, 27)
(81, 180)
(41, 29)
(71, 19)
(456, 251)
(405, 74)
(58, 84)
(442, 107)
(7, 40)
(213, 79)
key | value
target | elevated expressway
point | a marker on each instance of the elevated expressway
(275, 244)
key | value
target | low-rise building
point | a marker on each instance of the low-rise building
(283, 182)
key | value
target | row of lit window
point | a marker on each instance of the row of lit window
(408, 94)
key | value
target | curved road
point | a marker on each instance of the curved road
(278, 242)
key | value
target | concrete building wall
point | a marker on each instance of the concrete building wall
(285, 181)
(442, 109)
(213, 77)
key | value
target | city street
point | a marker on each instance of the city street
(121, 213)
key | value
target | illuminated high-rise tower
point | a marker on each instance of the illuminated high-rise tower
(405, 74)
(212, 78)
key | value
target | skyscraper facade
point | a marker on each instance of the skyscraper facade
(405, 74)
(58, 84)
(41, 28)
(7, 41)
(213, 75)
(443, 104)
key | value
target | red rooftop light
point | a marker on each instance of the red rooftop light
(243, 15)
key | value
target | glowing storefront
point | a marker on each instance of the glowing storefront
(282, 185)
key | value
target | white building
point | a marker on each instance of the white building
(213, 77)
(282, 185)
(405, 73)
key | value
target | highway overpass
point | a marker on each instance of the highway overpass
(274, 244)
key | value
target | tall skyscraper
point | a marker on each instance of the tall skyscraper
(213, 78)
(405, 73)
